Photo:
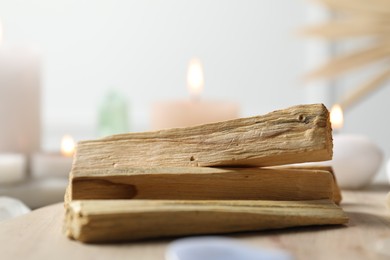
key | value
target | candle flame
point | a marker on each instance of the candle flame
(195, 79)
(67, 145)
(337, 117)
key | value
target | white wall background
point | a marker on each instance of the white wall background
(249, 49)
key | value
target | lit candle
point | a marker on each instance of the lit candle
(12, 168)
(54, 164)
(19, 99)
(356, 159)
(67, 146)
(337, 117)
(182, 113)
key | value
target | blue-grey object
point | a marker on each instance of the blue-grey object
(220, 248)
(113, 115)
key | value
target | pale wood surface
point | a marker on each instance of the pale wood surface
(120, 220)
(204, 183)
(296, 134)
(38, 235)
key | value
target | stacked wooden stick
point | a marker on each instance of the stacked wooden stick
(215, 178)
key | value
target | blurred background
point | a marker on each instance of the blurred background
(250, 52)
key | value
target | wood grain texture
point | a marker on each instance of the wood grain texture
(297, 134)
(337, 197)
(38, 235)
(119, 220)
(203, 183)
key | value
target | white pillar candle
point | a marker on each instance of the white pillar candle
(12, 168)
(50, 165)
(54, 164)
(19, 99)
(182, 113)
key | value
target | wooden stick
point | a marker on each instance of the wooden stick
(337, 197)
(351, 61)
(119, 220)
(364, 90)
(297, 134)
(201, 183)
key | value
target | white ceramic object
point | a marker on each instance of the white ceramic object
(356, 160)
(219, 248)
(11, 208)
(388, 170)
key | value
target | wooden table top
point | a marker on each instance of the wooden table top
(38, 235)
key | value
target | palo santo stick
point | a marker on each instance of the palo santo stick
(202, 183)
(297, 134)
(337, 197)
(119, 220)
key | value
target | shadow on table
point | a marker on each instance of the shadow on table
(364, 219)
(379, 187)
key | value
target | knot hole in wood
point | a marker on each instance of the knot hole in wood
(303, 119)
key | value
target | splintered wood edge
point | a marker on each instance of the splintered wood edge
(212, 127)
(337, 196)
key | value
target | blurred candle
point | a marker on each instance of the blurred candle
(356, 159)
(12, 168)
(182, 113)
(19, 99)
(67, 146)
(388, 173)
(337, 117)
(54, 164)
